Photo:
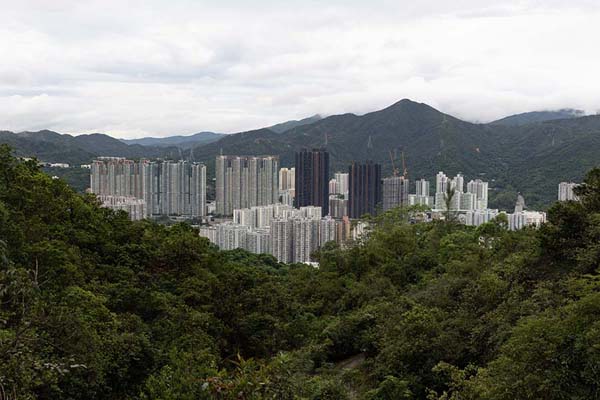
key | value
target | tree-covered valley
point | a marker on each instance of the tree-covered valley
(94, 306)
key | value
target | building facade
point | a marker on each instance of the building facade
(364, 189)
(173, 188)
(395, 192)
(565, 191)
(245, 181)
(312, 179)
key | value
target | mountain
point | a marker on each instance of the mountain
(538, 116)
(427, 137)
(531, 159)
(286, 126)
(51, 146)
(182, 141)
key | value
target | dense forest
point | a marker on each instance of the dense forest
(93, 306)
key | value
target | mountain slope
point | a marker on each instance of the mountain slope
(429, 139)
(180, 140)
(51, 146)
(538, 116)
(286, 126)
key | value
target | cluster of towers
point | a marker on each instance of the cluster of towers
(166, 188)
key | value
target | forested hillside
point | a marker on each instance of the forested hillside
(49, 146)
(93, 306)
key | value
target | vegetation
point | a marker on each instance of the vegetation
(93, 306)
(52, 147)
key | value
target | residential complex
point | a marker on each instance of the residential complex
(289, 234)
(136, 208)
(421, 196)
(474, 198)
(168, 188)
(245, 181)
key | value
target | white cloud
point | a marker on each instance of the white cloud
(170, 67)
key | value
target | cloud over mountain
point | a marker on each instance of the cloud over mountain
(153, 68)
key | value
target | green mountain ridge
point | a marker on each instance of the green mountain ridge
(183, 141)
(512, 158)
(538, 116)
(530, 158)
(286, 126)
(49, 146)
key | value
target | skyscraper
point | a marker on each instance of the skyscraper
(364, 195)
(395, 192)
(312, 179)
(245, 181)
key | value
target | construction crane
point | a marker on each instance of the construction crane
(394, 169)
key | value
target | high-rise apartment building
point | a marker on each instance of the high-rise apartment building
(480, 189)
(565, 191)
(305, 238)
(422, 187)
(421, 196)
(338, 207)
(475, 198)
(115, 176)
(246, 181)
(341, 184)
(458, 183)
(364, 194)
(175, 188)
(258, 241)
(287, 178)
(312, 179)
(395, 192)
(281, 240)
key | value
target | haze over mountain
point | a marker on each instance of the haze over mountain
(183, 141)
(539, 116)
(286, 126)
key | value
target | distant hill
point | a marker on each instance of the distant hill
(286, 126)
(183, 141)
(538, 116)
(51, 146)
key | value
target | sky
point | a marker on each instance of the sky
(158, 68)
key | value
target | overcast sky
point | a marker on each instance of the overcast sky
(161, 68)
